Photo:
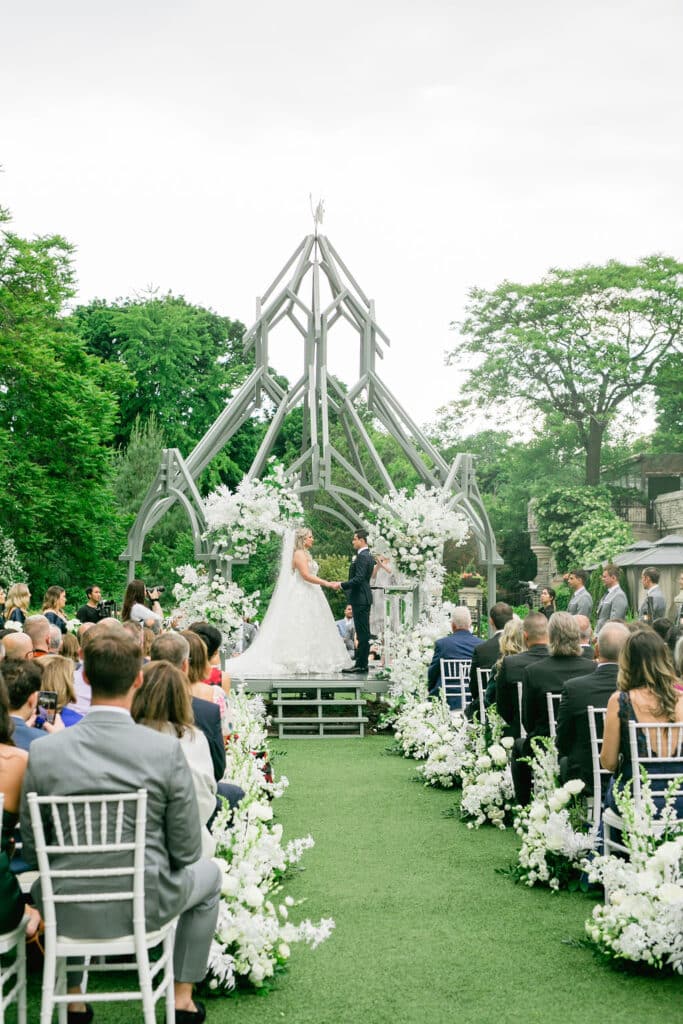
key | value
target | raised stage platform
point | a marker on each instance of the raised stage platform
(318, 706)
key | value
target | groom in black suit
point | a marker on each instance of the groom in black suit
(360, 598)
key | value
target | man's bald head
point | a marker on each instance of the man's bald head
(584, 624)
(18, 645)
(38, 628)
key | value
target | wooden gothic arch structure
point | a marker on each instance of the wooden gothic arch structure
(315, 291)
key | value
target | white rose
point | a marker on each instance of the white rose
(261, 812)
(497, 752)
(284, 950)
(555, 803)
(257, 974)
(575, 786)
(507, 742)
(671, 893)
(253, 896)
(229, 885)
(483, 762)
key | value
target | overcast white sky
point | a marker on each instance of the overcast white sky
(455, 144)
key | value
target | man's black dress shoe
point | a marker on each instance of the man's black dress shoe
(356, 670)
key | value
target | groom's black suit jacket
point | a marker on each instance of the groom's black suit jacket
(358, 584)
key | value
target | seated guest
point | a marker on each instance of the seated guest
(579, 693)
(213, 639)
(56, 639)
(509, 673)
(548, 676)
(198, 671)
(485, 654)
(23, 679)
(58, 675)
(646, 692)
(81, 687)
(175, 648)
(53, 607)
(18, 645)
(586, 635)
(547, 599)
(16, 605)
(111, 753)
(14, 761)
(69, 647)
(347, 630)
(38, 628)
(163, 703)
(511, 642)
(459, 644)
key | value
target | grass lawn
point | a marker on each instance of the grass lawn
(427, 931)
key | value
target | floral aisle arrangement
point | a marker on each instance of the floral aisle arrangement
(642, 922)
(415, 528)
(412, 649)
(201, 597)
(419, 723)
(254, 933)
(487, 791)
(448, 753)
(237, 521)
(553, 828)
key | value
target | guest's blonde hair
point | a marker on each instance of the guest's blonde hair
(300, 536)
(511, 640)
(58, 675)
(18, 596)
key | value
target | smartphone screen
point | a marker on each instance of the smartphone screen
(47, 705)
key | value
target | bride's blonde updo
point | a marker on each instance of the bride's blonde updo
(302, 532)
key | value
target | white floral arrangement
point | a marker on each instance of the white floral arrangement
(418, 723)
(448, 754)
(73, 625)
(555, 834)
(415, 527)
(254, 933)
(642, 922)
(412, 649)
(487, 790)
(202, 598)
(237, 521)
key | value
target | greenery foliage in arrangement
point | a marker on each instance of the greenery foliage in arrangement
(578, 523)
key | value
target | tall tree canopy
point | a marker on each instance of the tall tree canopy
(57, 412)
(579, 343)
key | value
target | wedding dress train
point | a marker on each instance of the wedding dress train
(298, 634)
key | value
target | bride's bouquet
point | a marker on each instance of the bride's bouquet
(237, 521)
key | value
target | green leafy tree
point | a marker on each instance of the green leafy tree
(599, 538)
(579, 343)
(57, 414)
(562, 511)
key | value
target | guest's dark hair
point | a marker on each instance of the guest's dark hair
(651, 573)
(662, 627)
(645, 661)
(210, 635)
(135, 594)
(361, 534)
(199, 667)
(500, 613)
(580, 574)
(612, 570)
(111, 661)
(163, 697)
(550, 592)
(22, 678)
(6, 723)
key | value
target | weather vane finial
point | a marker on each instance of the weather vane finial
(318, 212)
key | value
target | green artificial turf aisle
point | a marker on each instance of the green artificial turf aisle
(427, 932)
(426, 929)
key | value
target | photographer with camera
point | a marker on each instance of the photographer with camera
(141, 604)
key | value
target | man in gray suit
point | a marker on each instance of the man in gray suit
(580, 603)
(108, 753)
(613, 604)
(653, 605)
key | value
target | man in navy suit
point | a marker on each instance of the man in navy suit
(360, 598)
(23, 681)
(459, 645)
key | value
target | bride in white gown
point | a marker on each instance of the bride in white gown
(298, 634)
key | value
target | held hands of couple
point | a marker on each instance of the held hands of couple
(333, 585)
